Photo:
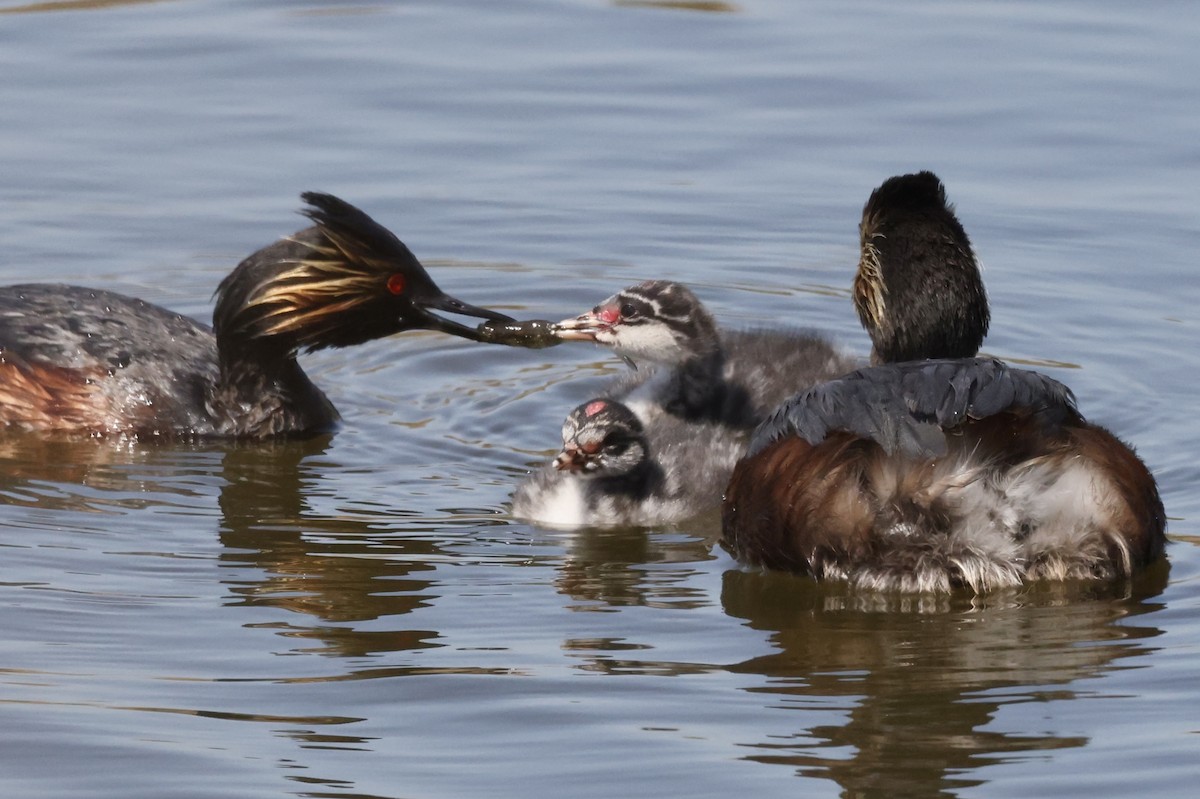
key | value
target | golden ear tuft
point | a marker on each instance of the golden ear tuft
(868, 281)
(304, 296)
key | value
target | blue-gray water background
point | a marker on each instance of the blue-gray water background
(358, 616)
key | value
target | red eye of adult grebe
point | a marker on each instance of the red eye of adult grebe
(395, 284)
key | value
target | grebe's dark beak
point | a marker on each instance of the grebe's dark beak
(423, 315)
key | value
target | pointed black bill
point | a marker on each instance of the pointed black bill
(444, 302)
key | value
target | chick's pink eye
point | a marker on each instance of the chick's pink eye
(395, 284)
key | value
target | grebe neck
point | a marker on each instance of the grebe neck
(918, 291)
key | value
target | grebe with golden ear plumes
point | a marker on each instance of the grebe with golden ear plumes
(96, 362)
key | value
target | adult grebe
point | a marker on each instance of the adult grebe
(613, 471)
(92, 361)
(926, 476)
(699, 372)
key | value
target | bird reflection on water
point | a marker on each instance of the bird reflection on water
(925, 682)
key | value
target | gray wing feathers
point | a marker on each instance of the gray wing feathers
(905, 407)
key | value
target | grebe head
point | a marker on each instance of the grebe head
(601, 438)
(657, 321)
(918, 291)
(344, 281)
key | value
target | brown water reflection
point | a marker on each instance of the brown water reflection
(333, 573)
(72, 5)
(920, 685)
(682, 5)
(610, 568)
(266, 523)
(118, 475)
(916, 682)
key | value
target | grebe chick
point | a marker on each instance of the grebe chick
(96, 362)
(614, 472)
(931, 475)
(699, 372)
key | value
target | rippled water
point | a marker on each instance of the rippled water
(357, 616)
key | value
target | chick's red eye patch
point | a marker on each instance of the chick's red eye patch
(608, 314)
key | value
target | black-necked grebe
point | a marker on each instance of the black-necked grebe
(92, 361)
(613, 471)
(929, 475)
(699, 372)
(918, 291)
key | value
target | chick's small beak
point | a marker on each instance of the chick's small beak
(569, 460)
(584, 327)
(444, 302)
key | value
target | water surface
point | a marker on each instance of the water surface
(358, 616)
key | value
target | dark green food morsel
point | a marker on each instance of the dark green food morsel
(531, 333)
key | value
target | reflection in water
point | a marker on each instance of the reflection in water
(118, 475)
(920, 689)
(265, 525)
(72, 5)
(682, 5)
(915, 683)
(302, 562)
(615, 567)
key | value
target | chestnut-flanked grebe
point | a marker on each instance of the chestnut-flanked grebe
(91, 361)
(613, 471)
(698, 372)
(929, 475)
